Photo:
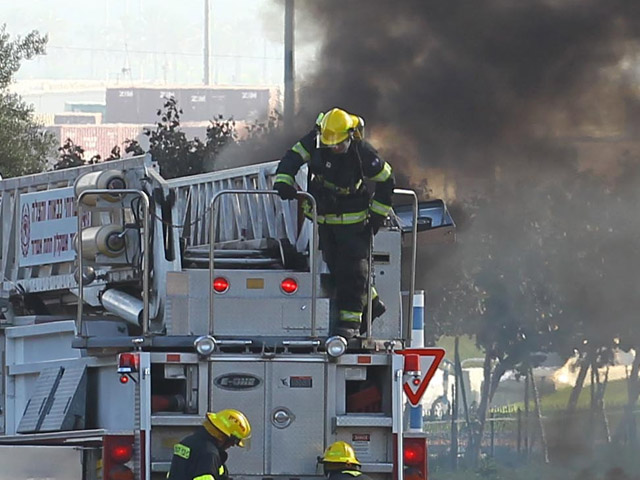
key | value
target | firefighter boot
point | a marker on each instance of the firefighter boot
(347, 330)
(377, 308)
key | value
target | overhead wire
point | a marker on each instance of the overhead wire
(161, 52)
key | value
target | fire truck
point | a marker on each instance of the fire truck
(132, 305)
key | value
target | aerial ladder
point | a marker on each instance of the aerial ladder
(134, 304)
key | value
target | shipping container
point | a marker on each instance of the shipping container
(87, 107)
(122, 105)
(77, 118)
(97, 139)
(140, 105)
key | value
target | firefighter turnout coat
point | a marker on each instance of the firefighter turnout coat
(197, 457)
(337, 181)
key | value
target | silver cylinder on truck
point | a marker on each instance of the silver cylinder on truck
(105, 179)
(106, 239)
(123, 305)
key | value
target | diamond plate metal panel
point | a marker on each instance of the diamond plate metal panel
(363, 421)
(270, 317)
(58, 402)
(373, 446)
(32, 416)
(68, 409)
(387, 279)
(2, 383)
(245, 311)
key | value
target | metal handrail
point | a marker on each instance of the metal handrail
(414, 254)
(312, 248)
(145, 254)
(369, 318)
(398, 377)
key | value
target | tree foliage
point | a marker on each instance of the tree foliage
(13, 52)
(72, 155)
(176, 154)
(169, 146)
(24, 147)
(546, 261)
(497, 283)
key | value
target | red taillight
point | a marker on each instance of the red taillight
(121, 453)
(124, 379)
(415, 458)
(120, 472)
(220, 285)
(117, 452)
(289, 286)
(413, 454)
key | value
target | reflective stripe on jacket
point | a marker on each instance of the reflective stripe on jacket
(337, 180)
(197, 457)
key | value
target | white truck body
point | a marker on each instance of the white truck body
(68, 382)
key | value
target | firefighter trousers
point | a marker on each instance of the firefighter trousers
(345, 249)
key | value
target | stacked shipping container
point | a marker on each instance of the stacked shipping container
(139, 105)
(130, 110)
(97, 139)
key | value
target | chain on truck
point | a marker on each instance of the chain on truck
(132, 305)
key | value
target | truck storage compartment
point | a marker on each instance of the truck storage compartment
(282, 398)
(173, 388)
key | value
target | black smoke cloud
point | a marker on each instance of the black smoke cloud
(462, 79)
(502, 92)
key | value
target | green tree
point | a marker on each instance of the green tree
(24, 146)
(496, 287)
(547, 262)
(176, 154)
(72, 155)
(596, 272)
(516, 309)
(170, 147)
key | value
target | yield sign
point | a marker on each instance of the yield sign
(429, 358)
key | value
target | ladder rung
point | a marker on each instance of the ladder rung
(252, 262)
(225, 252)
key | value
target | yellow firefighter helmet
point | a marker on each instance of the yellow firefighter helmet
(232, 423)
(337, 125)
(340, 452)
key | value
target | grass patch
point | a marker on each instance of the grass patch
(615, 397)
(606, 463)
(467, 347)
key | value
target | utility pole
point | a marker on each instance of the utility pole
(289, 85)
(206, 42)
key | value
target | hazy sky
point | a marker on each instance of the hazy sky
(152, 41)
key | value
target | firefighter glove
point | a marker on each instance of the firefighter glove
(375, 222)
(286, 191)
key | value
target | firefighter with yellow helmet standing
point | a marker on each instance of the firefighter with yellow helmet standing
(340, 162)
(340, 462)
(202, 455)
